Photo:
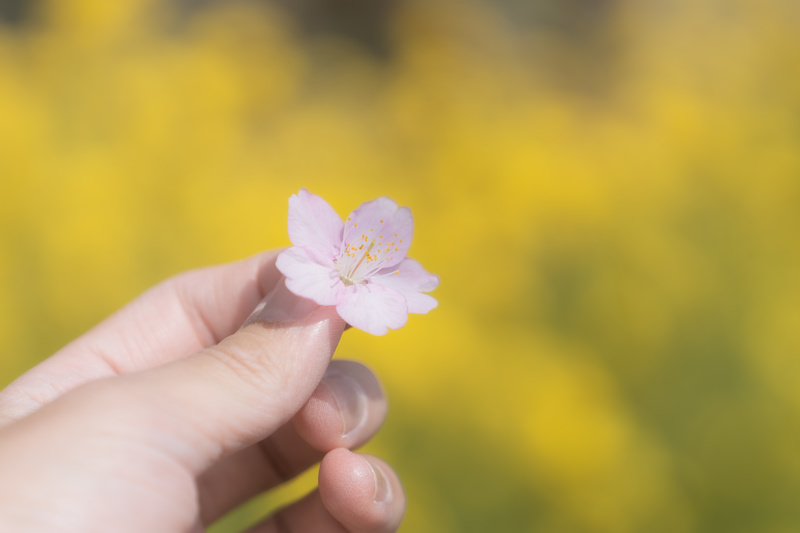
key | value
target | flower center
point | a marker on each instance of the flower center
(360, 260)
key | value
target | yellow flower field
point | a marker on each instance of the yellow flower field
(609, 191)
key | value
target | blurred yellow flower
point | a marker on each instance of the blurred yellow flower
(613, 196)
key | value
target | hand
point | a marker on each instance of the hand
(168, 415)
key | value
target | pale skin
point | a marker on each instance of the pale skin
(170, 414)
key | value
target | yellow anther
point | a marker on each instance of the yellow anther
(366, 256)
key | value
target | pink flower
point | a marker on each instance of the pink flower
(359, 265)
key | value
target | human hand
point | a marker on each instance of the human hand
(168, 415)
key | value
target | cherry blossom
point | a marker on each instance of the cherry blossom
(358, 265)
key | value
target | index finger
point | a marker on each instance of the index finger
(178, 317)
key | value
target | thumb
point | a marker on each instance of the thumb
(231, 395)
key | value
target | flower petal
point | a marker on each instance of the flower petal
(411, 280)
(373, 308)
(314, 224)
(380, 221)
(311, 274)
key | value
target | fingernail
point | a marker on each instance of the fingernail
(383, 490)
(350, 398)
(281, 306)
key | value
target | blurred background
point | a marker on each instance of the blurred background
(609, 190)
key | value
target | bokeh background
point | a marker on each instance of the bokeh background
(609, 190)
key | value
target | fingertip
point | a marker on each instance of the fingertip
(347, 408)
(361, 491)
(319, 422)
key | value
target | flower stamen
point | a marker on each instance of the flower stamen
(349, 277)
(366, 254)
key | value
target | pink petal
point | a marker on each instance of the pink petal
(373, 308)
(382, 221)
(410, 279)
(311, 275)
(314, 224)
